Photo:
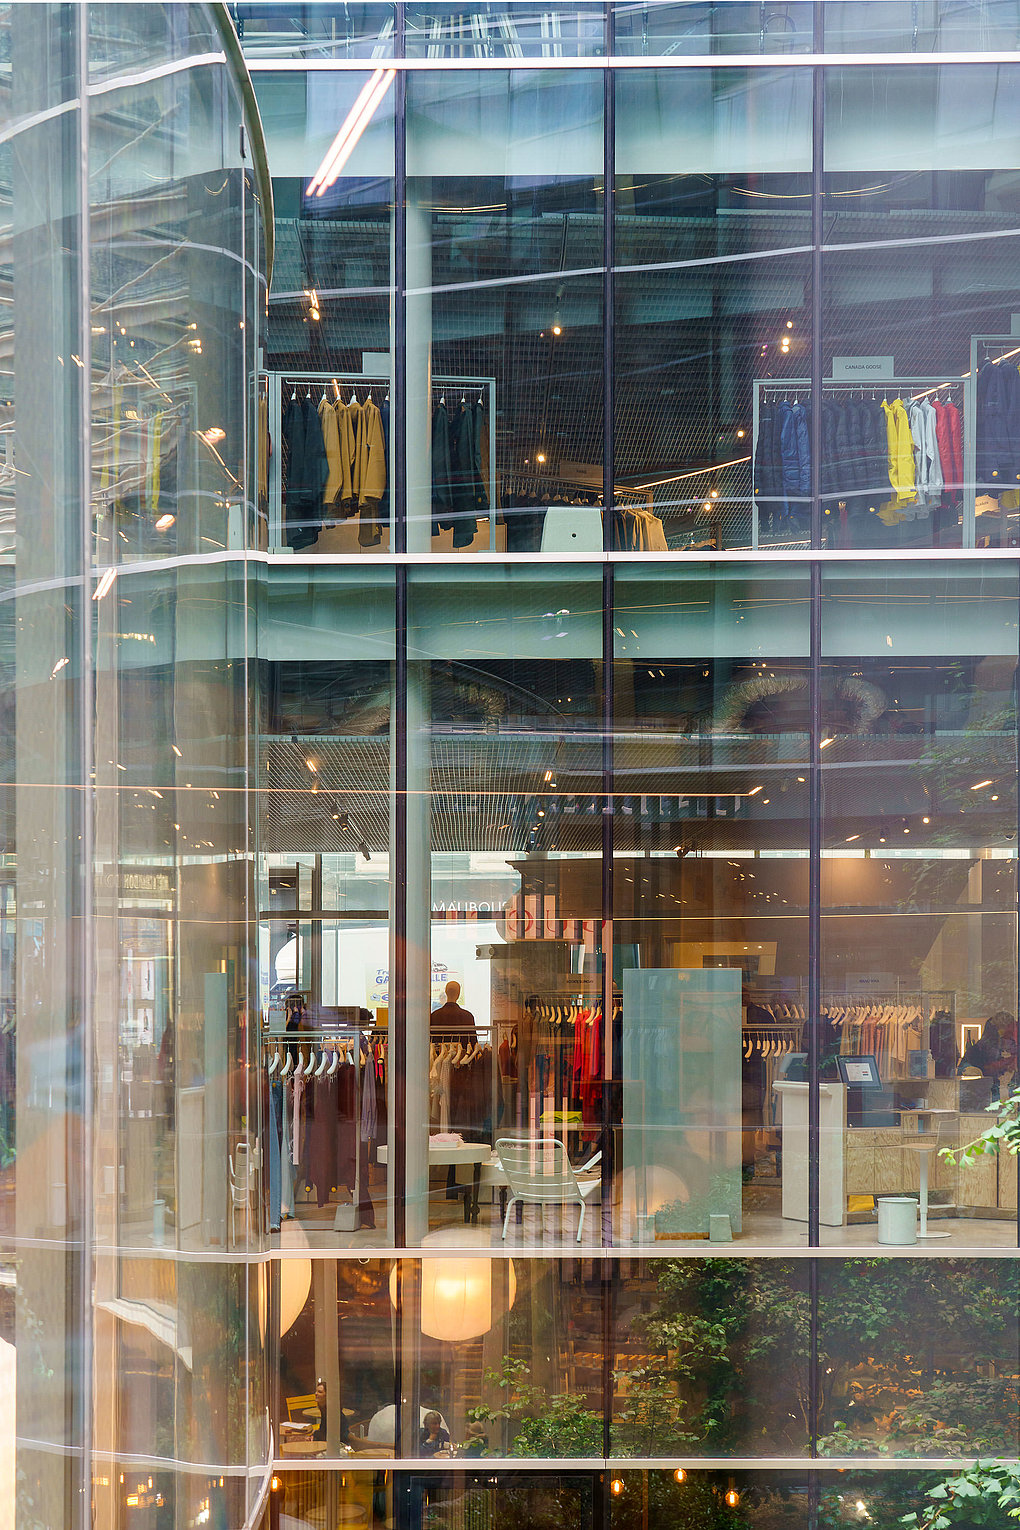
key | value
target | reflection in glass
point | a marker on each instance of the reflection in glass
(504, 311)
(919, 1356)
(712, 215)
(324, 905)
(919, 891)
(710, 892)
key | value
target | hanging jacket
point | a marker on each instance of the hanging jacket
(927, 464)
(833, 475)
(307, 472)
(998, 426)
(900, 448)
(370, 472)
(442, 468)
(789, 463)
(354, 425)
(874, 446)
(465, 476)
(850, 441)
(767, 459)
(480, 458)
(949, 434)
(795, 446)
(331, 440)
(347, 420)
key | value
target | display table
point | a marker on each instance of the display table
(793, 1100)
(443, 1155)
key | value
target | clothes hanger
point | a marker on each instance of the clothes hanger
(288, 1065)
(274, 1062)
(334, 1065)
(323, 1064)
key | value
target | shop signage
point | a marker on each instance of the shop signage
(863, 368)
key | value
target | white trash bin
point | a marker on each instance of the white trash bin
(897, 1219)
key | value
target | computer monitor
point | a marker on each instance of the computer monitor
(793, 1068)
(860, 1072)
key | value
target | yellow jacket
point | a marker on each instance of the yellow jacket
(371, 454)
(331, 441)
(901, 449)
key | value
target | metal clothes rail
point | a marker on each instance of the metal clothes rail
(275, 384)
(799, 388)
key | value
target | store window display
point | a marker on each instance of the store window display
(919, 889)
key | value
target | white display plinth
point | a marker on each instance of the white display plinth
(831, 1130)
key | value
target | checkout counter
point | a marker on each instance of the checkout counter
(868, 1147)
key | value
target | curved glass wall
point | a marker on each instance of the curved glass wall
(135, 270)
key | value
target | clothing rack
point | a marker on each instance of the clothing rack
(277, 382)
(981, 347)
(334, 1047)
(910, 389)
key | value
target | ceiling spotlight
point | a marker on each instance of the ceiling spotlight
(363, 850)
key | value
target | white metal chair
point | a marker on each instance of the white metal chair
(538, 1171)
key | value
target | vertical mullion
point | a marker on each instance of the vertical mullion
(398, 883)
(609, 1266)
(398, 869)
(85, 1346)
(398, 339)
(814, 994)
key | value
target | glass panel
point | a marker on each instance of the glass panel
(712, 307)
(918, 897)
(657, 1500)
(337, 1359)
(503, 714)
(560, 29)
(499, 1358)
(921, 26)
(735, 26)
(504, 311)
(362, 29)
(919, 1357)
(41, 494)
(711, 26)
(710, 879)
(324, 901)
(329, 474)
(920, 354)
(711, 1358)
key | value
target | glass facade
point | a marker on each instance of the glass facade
(509, 915)
(134, 279)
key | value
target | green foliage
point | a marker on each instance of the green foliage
(1004, 1133)
(561, 1425)
(914, 1358)
(733, 1335)
(987, 1493)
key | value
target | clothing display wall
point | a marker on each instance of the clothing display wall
(895, 451)
(460, 467)
(335, 456)
(326, 1110)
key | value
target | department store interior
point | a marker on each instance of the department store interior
(709, 692)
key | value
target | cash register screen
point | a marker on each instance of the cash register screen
(862, 1072)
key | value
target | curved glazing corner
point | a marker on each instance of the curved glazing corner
(136, 235)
